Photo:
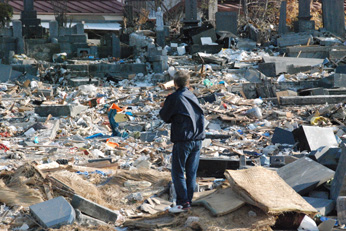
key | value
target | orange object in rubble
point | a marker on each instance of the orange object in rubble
(116, 107)
(112, 144)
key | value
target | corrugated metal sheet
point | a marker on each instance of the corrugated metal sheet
(111, 7)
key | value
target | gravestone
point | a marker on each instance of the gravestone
(190, 13)
(17, 33)
(79, 28)
(227, 21)
(304, 23)
(338, 187)
(334, 16)
(116, 48)
(159, 20)
(53, 29)
(282, 20)
(31, 24)
(212, 10)
(160, 38)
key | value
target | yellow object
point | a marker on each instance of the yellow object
(316, 120)
(121, 118)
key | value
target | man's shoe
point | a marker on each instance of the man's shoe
(180, 208)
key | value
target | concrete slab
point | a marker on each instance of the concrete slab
(94, 210)
(323, 206)
(59, 110)
(304, 174)
(338, 187)
(311, 138)
(315, 99)
(53, 213)
(293, 39)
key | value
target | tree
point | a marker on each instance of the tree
(6, 13)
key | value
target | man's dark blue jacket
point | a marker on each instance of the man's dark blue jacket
(182, 110)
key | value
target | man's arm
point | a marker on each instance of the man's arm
(167, 110)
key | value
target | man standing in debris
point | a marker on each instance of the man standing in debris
(183, 111)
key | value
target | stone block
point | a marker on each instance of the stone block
(334, 16)
(327, 156)
(319, 194)
(341, 69)
(293, 39)
(5, 72)
(282, 136)
(53, 213)
(76, 82)
(277, 161)
(267, 69)
(210, 49)
(227, 21)
(311, 138)
(196, 39)
(341, 209)
(339, 80)
(94, 210)
(59, 110)
(160, 38)
(305, 174)
(304, 25)
(323, 206)
(150, 136)
(246, 44)
(338, 187)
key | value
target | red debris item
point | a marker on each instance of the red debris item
(224, 105)
(5, 134)
(4, 147)
(86, 152)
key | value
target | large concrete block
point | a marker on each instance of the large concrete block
(311, 138)
(305, 174)
(94, 210)
(5, 72)
(53, 213)
(60, 110)
(323, 206)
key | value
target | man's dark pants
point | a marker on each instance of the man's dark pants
(185, 157)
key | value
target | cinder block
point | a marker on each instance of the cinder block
(305, 174)
(94, 210)
(53, 213)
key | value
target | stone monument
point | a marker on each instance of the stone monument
(190, 13)
(334, 16)
(304, 23)
(160, 33)
(31, 24)
(282, 20)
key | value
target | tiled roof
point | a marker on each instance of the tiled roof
(73, 7)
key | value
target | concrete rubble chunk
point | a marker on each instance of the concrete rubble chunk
(53, 213)
(341, 209)
(94, 210)
(304, 175)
